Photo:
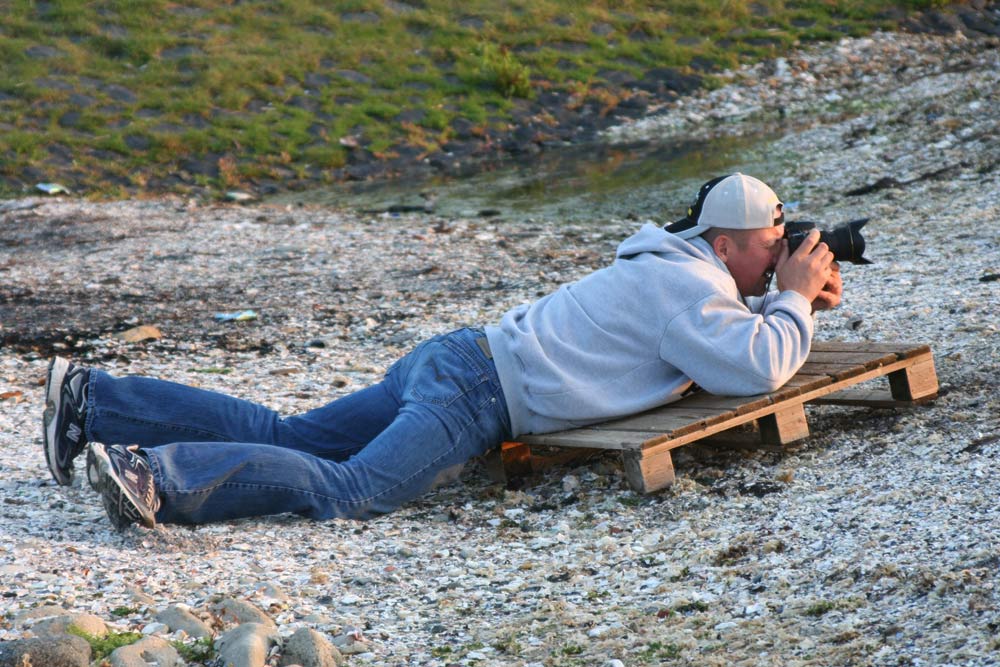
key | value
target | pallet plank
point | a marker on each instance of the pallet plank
(587, 437)
(902, 350)
(867, 359)
(739, 404)
(810, 381)
(835, 371)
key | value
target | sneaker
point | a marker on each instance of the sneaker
(63, 419)
(123, 478)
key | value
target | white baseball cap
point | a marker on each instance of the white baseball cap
(736, 201)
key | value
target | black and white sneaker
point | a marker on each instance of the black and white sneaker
(123, 478)
(63, 419)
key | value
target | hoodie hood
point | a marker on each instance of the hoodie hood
(654, 239)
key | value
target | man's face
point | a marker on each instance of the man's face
(752, 257)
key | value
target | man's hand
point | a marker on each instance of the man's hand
(829, 296)
(808, 270)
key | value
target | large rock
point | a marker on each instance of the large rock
(309, 648)
(240, 611)
(147, 652)
(247, 645)
(61, 651)
(178, 618)
(60, 625)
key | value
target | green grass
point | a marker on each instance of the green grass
(272, 86)
(820, 608)
(658, 652)
(198, 651)
(102, 647)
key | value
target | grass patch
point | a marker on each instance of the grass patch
(691, 607)
(102, 647)
(200, 651)
(500, 69)
(282, 83)
(123, 611)
(658, 651)
(820, 608)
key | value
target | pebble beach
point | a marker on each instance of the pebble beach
(873, 542)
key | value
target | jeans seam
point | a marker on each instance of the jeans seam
(90, 409)
(443, 403)
(155, 470)
(213, 437)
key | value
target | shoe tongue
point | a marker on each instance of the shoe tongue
(79, 384)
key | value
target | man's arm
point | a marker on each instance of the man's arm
(726, 349)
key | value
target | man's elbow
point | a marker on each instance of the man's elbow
(750, 385)
(769, 385)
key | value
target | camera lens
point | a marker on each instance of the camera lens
(845, 241)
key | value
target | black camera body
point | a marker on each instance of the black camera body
(845, 241)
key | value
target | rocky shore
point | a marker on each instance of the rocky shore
(871, 543)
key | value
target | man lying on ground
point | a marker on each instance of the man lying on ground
(682, 305)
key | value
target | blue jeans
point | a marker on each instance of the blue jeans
(215, 457)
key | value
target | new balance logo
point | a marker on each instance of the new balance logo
(73, 433)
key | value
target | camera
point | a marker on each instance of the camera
(845, 240)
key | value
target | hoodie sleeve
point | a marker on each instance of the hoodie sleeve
(727, 350)
(757, 304)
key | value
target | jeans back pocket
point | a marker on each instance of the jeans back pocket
(440, 376)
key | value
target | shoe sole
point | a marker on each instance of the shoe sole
(102, 476)
(53, 404)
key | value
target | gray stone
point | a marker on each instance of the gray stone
(137, 594)
(316, 80)
(351, 642)
(62, 651)
(138, 142)
(247, 645)
(361, 17)
(155, 628)
(271, 591)
(309, 648)
(60, 625)
(354, 77)
(70, 119)
(240, 611)
(42, 52)
(54, 84)
(178, 52)
(399, 7)
(80, 100)
(119, 93)
(147, 652)
(27, 618)
(178, 618)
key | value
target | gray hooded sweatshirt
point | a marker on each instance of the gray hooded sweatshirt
(634, 335)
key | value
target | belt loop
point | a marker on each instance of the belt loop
(484, 345)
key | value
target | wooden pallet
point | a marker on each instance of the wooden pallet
(777, 419)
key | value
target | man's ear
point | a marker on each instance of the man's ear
(722, 245)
